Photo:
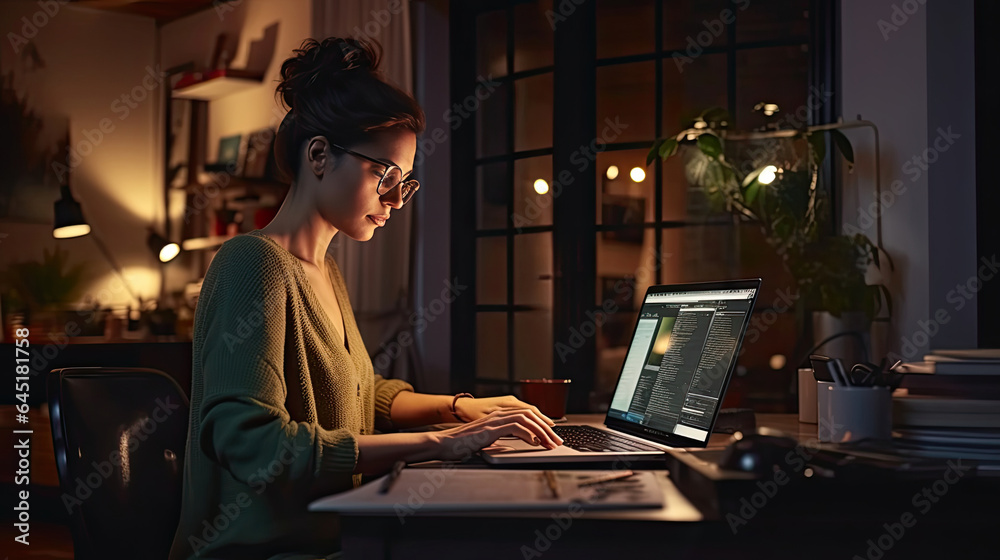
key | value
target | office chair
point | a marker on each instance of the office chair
(119, 436)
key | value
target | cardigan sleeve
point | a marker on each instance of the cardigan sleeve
(244, 425)
(385, 391)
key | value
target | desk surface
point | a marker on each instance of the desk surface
(835, 522)
(677, 507)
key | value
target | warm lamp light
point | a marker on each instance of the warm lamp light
(767, 175)
(541, 187)
(612, 172)
(637, 174)
(164, 249)
(69, 221)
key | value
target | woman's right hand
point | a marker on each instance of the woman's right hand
(461, 442)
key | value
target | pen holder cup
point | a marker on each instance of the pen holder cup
(807, 396)
(853, 413)
(549, 395)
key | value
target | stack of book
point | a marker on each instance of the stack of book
(949, 405)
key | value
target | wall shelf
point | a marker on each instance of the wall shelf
(215, 84)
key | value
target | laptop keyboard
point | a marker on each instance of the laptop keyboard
(587, 438)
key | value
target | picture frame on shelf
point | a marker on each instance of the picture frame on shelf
(229, 158)
(258, 159)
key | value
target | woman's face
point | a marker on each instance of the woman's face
(348, 195)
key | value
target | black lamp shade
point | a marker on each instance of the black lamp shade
(164, 249)
(69, 221)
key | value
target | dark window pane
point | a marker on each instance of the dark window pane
(757, 259)
(533, 192)
(625, 101)
(491, 345)
(491, 270)
(690, 88)
(700, 254)
(491, 196)
(532, 35)
(681, 201)
(491, 117)
(625, 27)
(491, 39)
(533, 344)
(621, 199)
(627, 263)
(533, 112)
(533, 270)
(769, 20)
(692, 26)
(613, 338)
(777, 75)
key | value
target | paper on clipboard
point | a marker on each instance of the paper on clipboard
(437, 490)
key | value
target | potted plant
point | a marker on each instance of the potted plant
(42, 289)
(772, 180)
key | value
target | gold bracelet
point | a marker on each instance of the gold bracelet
(454, 412)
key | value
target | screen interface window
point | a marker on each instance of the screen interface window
(675, 371)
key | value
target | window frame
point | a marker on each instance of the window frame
(574, 277)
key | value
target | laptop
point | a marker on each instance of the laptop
(678, 365)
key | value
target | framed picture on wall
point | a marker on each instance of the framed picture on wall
(623, 211)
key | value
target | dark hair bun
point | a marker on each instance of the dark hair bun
(321, 64)
(334, 88)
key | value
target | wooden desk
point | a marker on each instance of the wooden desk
(839, 525)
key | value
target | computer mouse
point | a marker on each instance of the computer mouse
(756, 453)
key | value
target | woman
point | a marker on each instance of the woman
(284, 400)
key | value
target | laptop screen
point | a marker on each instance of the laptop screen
(678, 364)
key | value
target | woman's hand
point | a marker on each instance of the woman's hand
(526, 423)
(473, 409)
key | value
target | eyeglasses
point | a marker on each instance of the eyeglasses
(392, 177)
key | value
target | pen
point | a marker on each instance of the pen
(550, 477)
(387, 482)
(605, 478)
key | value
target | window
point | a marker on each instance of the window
(565, 210)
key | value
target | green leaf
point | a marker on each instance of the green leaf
(710, 145)
(750, 192)
(817, 141)
(843, 144)
(653, 151)
(752, 176)
(669, 148)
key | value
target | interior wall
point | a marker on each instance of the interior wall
(951, 122)
(91, 60)
(906, 67)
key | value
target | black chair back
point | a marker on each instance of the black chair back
(119, 436)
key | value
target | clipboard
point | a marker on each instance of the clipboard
(460, 490)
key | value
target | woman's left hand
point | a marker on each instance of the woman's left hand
(472, 409)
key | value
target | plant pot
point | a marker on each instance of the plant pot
(849, 348)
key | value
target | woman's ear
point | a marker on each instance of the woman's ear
(317, 154)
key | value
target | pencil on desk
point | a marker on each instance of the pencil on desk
(550, 477)
(605, 478)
